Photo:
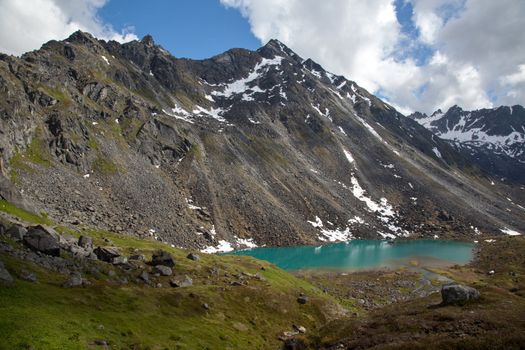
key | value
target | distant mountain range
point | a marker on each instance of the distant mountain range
(494, 139)
(247, 148)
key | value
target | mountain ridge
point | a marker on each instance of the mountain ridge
(245, 148)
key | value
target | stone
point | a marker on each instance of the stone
(28, 276)
(163, 270)
(302, 299)
(144, 276)
(458, 294)
(193, 256)
(85, 242)
(67, 240)
(107, 254)
(119, 260)
(181, 282)
(294, 344)
(5, 276)
(137, 257)
(162, 257)
(75, 280)
(39, 240)
(299, 329)
(16, 232)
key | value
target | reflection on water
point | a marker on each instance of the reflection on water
(362, 254)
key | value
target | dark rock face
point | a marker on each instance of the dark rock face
(107, 254)
(39, 240)
(247, 147)
(458, 294)
(162, 257)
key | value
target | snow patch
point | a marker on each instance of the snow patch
(436, 152)
(241, 85)
(105, 59)
(510, 232)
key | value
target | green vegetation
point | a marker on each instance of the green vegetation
(135, 316)
(195, 152)
(35, 153)
(104, 166)
(11, 209)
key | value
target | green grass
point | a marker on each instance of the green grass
(104, 166)
(47, 316)
(36, 152)
(9, 208)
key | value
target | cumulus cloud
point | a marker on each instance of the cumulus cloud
(25, 25)
(476, 53)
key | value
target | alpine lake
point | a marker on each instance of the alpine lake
(365, 254)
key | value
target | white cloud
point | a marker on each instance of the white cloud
(25, 25)
(477, 46)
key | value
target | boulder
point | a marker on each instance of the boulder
(28, 276)
(162, 257)
(107, 254)
(40, 240)
(458, 294)
(144, 276)
(5, 276)
(137, 257)
(75, 280)
(193, 256)
(181, 282)
(294, 344)
(66, 240)
(162, 270)
(119, 260)
(302, 299)
(16, 232)
(85, 242)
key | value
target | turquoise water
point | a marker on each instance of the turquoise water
(363, 254)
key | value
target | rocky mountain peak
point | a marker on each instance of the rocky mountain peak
(148, 40)
(81, 37)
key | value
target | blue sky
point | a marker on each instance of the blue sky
(187, 28)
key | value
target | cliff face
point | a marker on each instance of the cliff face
(245, 148)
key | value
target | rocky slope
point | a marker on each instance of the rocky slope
(245, 148)
(493, 139)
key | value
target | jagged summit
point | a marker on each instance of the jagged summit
(148, 40)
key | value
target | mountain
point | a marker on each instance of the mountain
(493, 139)
(245, 148)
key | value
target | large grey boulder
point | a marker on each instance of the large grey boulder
(107, 254)
(163, 270)
(40, 240)
(458, 294)
(162, 257)
(179, 282)
(74, 280)
(5, 276)
(16, 232)
(85, 242)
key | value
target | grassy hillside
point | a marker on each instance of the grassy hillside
(234, 303)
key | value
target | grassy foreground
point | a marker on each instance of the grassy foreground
(214, 313)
